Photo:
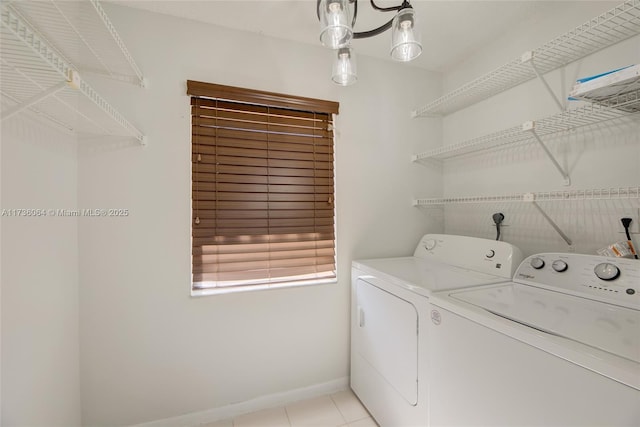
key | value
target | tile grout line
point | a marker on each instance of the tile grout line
(339, 411)
(346, 423)
(287, 414)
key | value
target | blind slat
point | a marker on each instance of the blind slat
(325, 172)
(259, 127)
(321, 122)
(204, 214)
(273, 246)
(204, 103)
(238, 156)
(259, 206)
(209, 134)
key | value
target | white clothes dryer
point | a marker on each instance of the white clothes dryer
(557, 346)
(390, 314)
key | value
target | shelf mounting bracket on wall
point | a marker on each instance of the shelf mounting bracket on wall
(530, 197)
(531, 127)
(528, 57)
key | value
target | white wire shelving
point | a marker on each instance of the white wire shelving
(616, 193)
(589, 114)
(609, 28)
(45, 48)
(619, 193)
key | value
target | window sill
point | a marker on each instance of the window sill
(261, 287)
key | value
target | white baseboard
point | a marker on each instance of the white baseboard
(257, 404)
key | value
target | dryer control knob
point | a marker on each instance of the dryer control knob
(491, 253)
(537, 263)
(606, 271)
(559, 266)
(429, 244)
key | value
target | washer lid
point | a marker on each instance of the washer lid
(424, 276)
(607, 327)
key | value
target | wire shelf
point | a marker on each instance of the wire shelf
(588, 114)
(83, 35)
(34, 74)
(613, 26)
(548, 196)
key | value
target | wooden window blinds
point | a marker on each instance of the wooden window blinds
(263, 211)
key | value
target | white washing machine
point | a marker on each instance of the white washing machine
(557, 346)
(390, 317)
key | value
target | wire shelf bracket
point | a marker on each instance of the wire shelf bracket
(530, 197)
(529, 57)
(531, 127)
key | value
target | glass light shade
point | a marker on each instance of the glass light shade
(336, 31)
(344, 67)
(405, 36)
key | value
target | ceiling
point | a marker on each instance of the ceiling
(451, 29)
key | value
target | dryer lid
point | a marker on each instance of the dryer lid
(423, 276)
(607, 327)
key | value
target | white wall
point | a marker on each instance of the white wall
(150, 351)
(602, 156)
(40, 340)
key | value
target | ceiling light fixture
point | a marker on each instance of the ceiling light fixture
(337, 32)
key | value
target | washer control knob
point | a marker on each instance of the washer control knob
(429, 244)
(606, 271)
(491, 253)
(537, 263)
(559, 266)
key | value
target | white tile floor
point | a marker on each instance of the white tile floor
(341, 409)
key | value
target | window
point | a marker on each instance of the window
(263, 211)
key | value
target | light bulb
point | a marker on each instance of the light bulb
(344, 67)
(336, 31)
(405, 37)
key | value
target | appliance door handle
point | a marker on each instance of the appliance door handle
(360, 317)
(528, 325)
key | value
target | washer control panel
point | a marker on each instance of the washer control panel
(615, 280)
